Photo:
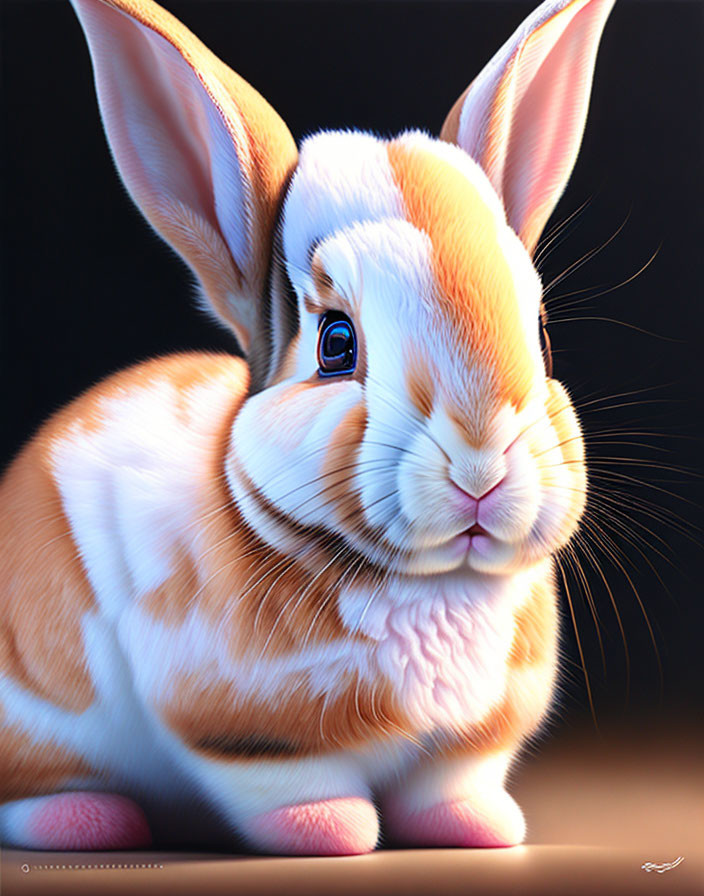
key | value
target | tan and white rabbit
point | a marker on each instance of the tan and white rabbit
(316, 589)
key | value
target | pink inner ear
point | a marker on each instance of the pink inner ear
(169, 142)
(522, 119)
(548, 123)
(201, 153)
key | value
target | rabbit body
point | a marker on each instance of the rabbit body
(153, 681)
(272, 594)
(158, 653)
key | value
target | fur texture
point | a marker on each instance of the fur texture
(282, 598)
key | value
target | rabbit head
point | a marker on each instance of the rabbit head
(400, 403)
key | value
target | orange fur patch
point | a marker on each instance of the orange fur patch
(420, 384)
(31, 769)
(475, 286)
(294, 723)
(339, 470)
(44, 591)
(269, 597)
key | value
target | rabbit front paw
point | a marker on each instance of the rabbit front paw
(489, 822)
(454, 803)
(341, 826)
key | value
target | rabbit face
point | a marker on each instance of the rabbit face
(398, 406)
(440, 443)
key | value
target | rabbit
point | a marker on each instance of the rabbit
(313, 591)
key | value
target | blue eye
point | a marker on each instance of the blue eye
(337, 344)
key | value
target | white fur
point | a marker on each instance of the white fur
(130, 487)
(456, 779)
(116, 734)
(442, 642)
(14, 817)
(343, 177)
(250, 788)
(161, 654)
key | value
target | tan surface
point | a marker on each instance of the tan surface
(598, 807)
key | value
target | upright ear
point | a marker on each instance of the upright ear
(523, 117)
(202, 154)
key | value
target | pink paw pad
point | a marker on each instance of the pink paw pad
(87, 821)
(337, 827)
(459, 823)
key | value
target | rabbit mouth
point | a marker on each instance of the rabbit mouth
(476, 529)
(473, 550)
(480, 546)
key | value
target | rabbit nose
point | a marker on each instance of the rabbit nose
(477, 475)
(475, 499)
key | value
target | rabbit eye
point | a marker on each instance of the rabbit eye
(337, 344)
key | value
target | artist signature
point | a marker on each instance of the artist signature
(665, 866)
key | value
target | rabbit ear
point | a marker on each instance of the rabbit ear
(523, 117)
(202, 154)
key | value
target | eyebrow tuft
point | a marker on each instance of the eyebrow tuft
(322, 280)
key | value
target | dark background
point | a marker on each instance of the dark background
(87, 288)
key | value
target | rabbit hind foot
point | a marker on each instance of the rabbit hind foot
(74, 821)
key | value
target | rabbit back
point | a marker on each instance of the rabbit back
(75, 547)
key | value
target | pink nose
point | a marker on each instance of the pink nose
(478, 498)
(480, 509)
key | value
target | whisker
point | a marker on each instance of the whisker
(572, 557)
(548, 241)
(578, 639)
(582, 541)
(592, 253)
(608, 290)
(554, 321)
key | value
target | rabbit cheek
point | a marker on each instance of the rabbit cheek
(563, 473)
(556, 519)
(566, 427)
(425, 497)
(340, 469)
(281, 439)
